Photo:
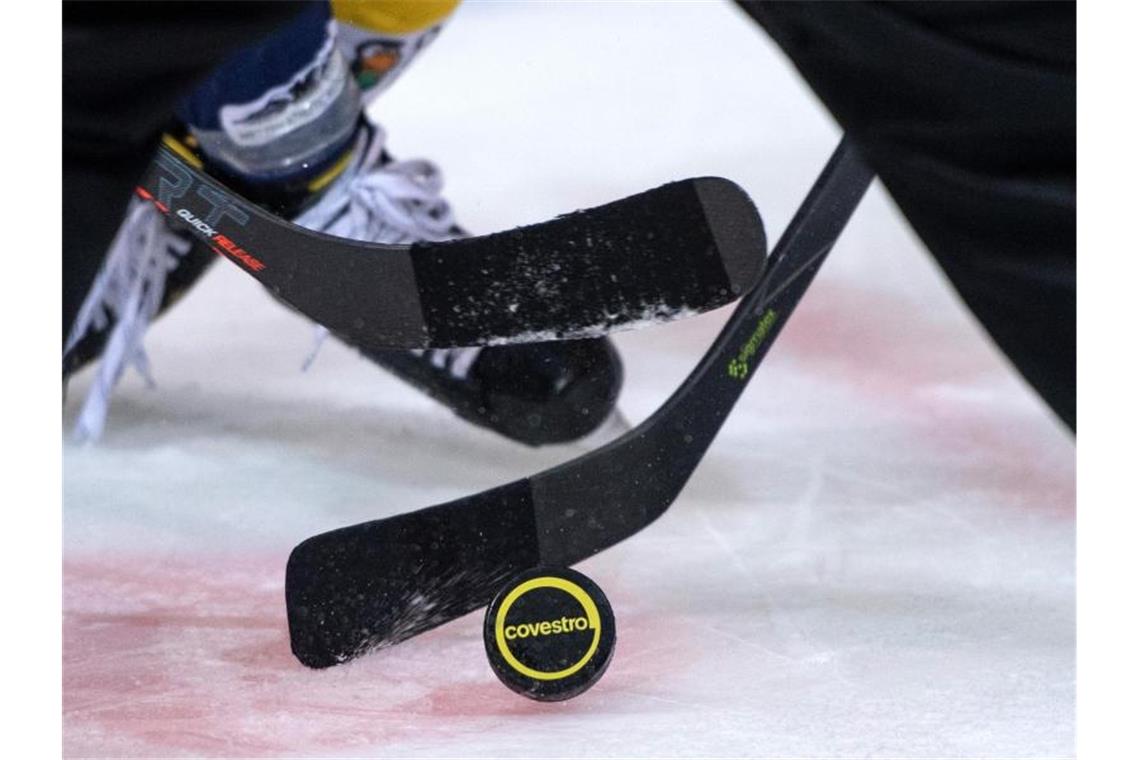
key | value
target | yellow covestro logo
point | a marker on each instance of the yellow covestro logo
(504, 634)
(546, 627)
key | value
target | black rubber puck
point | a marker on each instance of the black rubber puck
(549, 634)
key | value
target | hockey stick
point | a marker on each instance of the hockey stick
(680, 249)
(380, 582)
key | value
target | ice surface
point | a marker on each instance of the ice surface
(875, 559)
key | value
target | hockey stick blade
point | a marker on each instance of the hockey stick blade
(375, 584)
(681, 249)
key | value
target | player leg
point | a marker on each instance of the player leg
(967, 112)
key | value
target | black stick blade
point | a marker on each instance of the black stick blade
(372, 585)
(660, 255)
(657, 256)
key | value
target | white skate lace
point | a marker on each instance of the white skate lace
(398, 202)
(128, 292)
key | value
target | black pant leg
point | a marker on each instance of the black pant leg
(967, 111)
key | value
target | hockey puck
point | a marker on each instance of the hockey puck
(549, 634)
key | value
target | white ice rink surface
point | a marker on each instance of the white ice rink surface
(875, 558)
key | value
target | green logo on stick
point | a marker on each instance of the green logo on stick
(738, 367)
